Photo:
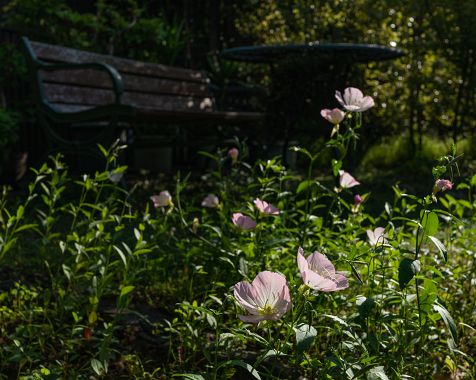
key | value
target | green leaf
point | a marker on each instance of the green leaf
(429, 221)
(448, 319)
(336, 165)
(304, 185)
(248, 367)
(189, 376)
(97, 366)
(377, 373)
(406, 271)
(126, 290)
(440, 247)
(305, 335)
(428, 296)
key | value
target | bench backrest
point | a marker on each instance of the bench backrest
(146, 85)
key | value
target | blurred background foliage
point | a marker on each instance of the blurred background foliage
(426, 98)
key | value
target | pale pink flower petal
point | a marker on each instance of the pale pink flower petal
(334, 116)
(377, 236)
(353, 100)
(265, 207)
(162, 200)
(243, 221)
(211, 201)
(346, 180)
(318, 273)
(443, 185)
(266, 298)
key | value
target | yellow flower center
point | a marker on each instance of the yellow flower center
(267, 310)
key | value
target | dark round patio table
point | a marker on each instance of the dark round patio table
(304, 78)
(325, 52)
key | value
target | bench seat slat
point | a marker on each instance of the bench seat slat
(171, 116)
(58, 93)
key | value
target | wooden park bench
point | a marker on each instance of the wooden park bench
(84, 98)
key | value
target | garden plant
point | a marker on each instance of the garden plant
(246, 271)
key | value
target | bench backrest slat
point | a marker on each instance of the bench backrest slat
(55, 53)
(92, 78)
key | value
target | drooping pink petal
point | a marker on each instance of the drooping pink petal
(334, 116)
(346, 180)
(265, 207)
(243, 221)
(319, 273)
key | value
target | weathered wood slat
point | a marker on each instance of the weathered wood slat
(99, 79)
(58, 93)
(153, 114)
(62, 54)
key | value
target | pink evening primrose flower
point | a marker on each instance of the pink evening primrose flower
(353, 100)
(233, 154)
(211, 201)
(265, 207)
(243, 221)
(164, 199)
(442, 185)
(318, 273)
(334, 116)
(346, 180)
(377, 237)
(266, 298)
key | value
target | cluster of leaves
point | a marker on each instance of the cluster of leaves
(94, 283)
(437, 36)
(123, 28)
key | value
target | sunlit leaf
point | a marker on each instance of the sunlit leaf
(440, 247)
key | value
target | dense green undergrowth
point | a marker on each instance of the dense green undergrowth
(98, 281)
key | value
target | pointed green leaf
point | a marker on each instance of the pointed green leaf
(246, 366)
(440, 247)
(305, 335)
(448, 319)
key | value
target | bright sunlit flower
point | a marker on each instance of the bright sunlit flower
(211, 201)
(318, 273)
(353, 100)
(266, 298)
(265, 207)
(346, 180)
(377, 237)
(243, 221)
(334, 116)
(164, 199)
(233, 154)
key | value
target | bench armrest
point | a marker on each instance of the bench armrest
(35, 65)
